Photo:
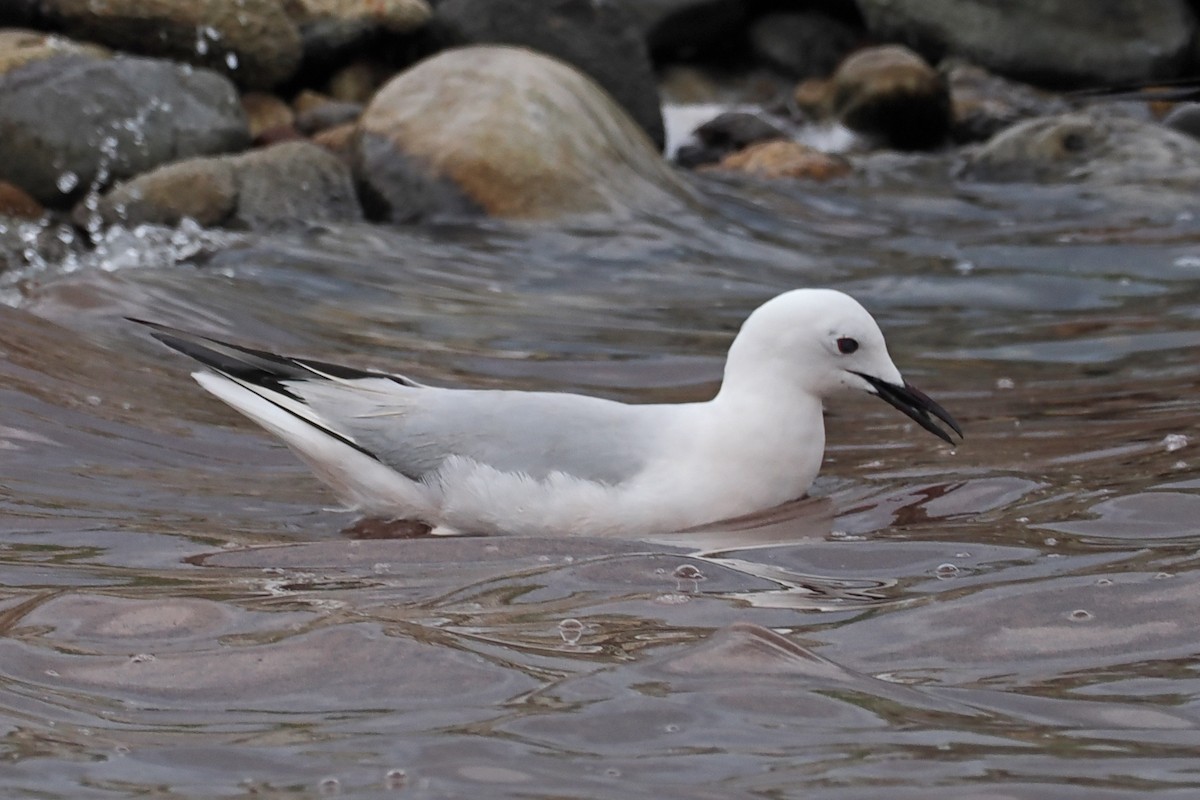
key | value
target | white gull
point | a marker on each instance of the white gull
(489, 461)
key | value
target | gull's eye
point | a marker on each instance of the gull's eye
(846, 345)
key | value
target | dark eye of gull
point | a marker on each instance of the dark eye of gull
(846, 345)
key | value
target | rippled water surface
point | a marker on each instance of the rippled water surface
(182, 614)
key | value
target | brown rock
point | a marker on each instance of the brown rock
(358, 81)
(338, 140)
(286, 184)
(892, 93)
(265, 112)
(20, 47)
(16, 202)
(510, 132)
(252, 41)
(783, 158)
(395, 16)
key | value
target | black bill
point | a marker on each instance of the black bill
(916, 404)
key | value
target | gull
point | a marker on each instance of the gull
(485, 461)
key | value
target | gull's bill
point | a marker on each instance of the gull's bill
(914, 403)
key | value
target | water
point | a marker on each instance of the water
(182, 613)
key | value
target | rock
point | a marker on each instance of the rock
(509, 132)
(358, 81)
(984, 104)
(1087, 146)
(1185, 118)
(15, 202)
(783, 158)
(338, 140)
(252, 41)
(598, 38)
(891, 93)
(265, 112)
(329, 28)
(289, 184)
(727, 133)
(316, 112)
(1046, 41)
(683, 29)
(802, 44)
(73, 119)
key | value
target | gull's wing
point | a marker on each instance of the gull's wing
(412, 428)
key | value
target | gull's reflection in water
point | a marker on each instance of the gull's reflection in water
(744, 544)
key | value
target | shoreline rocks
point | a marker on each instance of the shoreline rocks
(286, 185)
(507, 132)
(72, 117)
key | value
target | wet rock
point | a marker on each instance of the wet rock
(685, 28)
(265, 112)
(802, 44)
(1184, 118)
(71, 118)
(509, 132)
(1091, 146)
(1046, 41)
(358, 81)
(891, 93)
(252, 41)
(727, 133)
(783, 158)
(293, 183)
(599, 39)
(15, 202)
(316, 112)
(329, 28)
(338, 140)
(984, 104)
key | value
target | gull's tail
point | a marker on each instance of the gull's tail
(268, 388)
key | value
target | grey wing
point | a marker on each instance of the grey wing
(415, 429)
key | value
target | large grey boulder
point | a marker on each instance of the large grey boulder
(599, 39)
(1091, 146)
(1046, 41)
(70, 116)
(507, 132)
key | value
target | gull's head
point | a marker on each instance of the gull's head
(822, 342)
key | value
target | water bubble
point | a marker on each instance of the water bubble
(946, 571)
(1050, 541)
(395, 779)
(1163, 576)
(1080, 615)
(672, 599)
(329, 786)
(381, 567)
(1005, 383)
(1104, 582)
(231, 60)
(121, 749)
(1023, 520)
(964, 267)
(142, 658)
(571, 630)
(671, 728)
(53, 673)
(67, 181)
(612, 772)
(1174, 441)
